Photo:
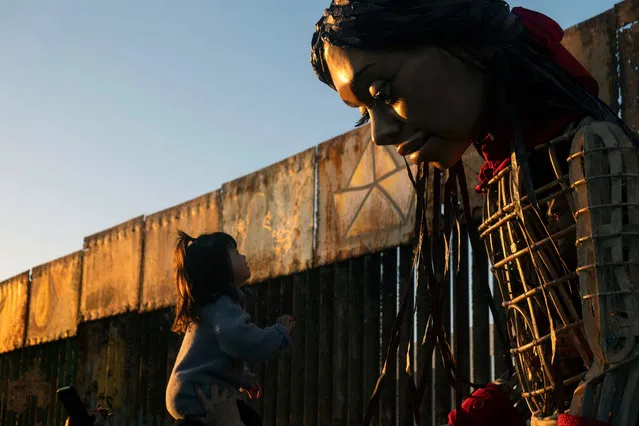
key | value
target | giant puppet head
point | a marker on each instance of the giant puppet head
(434, 76)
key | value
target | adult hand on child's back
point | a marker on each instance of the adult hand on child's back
(287, 321)
(221, 409)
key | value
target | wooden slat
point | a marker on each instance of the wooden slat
(406, 281)
(14, 373)
(3, 386)
(92, 336)
(151, 370)
(24, 365)
(74, 351)
(156, 405)
(146, 369)
(297, 387)
(311, 350)
(68, 363)
(462, 320)
(389, 310)
(441, 386)
(424, 361)
(356, 294)
(162, 327)
(50, 351)
(132, 369)
(271, 391)
(285, 358)
(340, 336)
(500, 365)
(372, 353)
(31, 358)
(8, 364)
(629, 61)
(325, 361)
(480, 330)
(174, 342)
(56, 412)
(60, 412)
(40, 408)
(261, 294)
(53, 374)
(114, 380)
(249, 306)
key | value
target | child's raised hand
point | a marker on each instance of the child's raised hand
(251, 385)
(221, 409)
(254, 391)
(287, 321)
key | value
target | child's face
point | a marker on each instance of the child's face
(241, 270)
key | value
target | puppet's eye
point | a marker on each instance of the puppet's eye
(381, 91)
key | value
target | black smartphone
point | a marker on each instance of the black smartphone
(74, 406)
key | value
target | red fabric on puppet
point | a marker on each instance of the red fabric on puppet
(488, 406)
(568, 420)
(538, 127)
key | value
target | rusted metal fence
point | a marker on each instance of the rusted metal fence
(344, 312)
(70, 322)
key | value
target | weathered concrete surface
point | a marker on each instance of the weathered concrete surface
(111, 271)
(628, 24)
(365, 198)
(593, 43)
(198, 216)
(13, 311)
(270, 214)
(53, 300)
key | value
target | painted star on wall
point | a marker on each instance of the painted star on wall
(378, 196)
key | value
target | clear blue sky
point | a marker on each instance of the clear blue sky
(113, 109)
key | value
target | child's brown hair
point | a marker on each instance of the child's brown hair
(202, 270)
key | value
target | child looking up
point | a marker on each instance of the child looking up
(218, 334)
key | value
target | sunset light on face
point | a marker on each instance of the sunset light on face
(324, 212)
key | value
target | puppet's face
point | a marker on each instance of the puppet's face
(425, 101)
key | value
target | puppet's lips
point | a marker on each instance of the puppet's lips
(413, 144)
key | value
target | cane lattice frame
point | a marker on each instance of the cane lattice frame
(538, 281)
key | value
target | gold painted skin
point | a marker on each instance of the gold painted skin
(425, 101)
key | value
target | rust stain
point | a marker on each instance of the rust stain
(197, 216)
(629, 72)
(627, 12)
(365, 198)
(13, 294)
(111, 271)
(31, 383)
(55, 289)
(593, 43)
(270, 213)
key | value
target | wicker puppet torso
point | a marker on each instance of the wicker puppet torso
(564, 271)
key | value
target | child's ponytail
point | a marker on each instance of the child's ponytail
(186, 310)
